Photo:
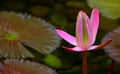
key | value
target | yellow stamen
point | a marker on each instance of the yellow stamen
(85, 33)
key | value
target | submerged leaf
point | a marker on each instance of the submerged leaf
(18, 29)
(15, 66)
(108, 8)
(113, 48)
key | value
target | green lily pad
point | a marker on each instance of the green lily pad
(107, 25)
(108, 8)
(76, 4)
(59, 20)
(53, 61)
(39, 10)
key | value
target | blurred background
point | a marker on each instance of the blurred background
(62, 14)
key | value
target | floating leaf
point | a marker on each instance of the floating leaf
(53, 61)
(17, 29)
(113, 49)
(59, 20)
(42, 10)
(76, 4)
(104, 27)
(108, 8)
(12, 66)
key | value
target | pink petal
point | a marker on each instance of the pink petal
(92, 47)
(69, 38)
(76, 49)
(83, 30)
(103, 44)
(94, 20)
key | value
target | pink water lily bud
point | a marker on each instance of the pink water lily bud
(86, 31)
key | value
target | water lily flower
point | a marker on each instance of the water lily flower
(86, 31)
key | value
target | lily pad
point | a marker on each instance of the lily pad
(108, 8)
(15, 66)
(53, 61)
(107, 25)
(113, 48)
(39, 10)
(17, 30)
(59, 20)
(76, 4)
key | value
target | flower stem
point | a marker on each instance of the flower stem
(84, 62)
(111, 67)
